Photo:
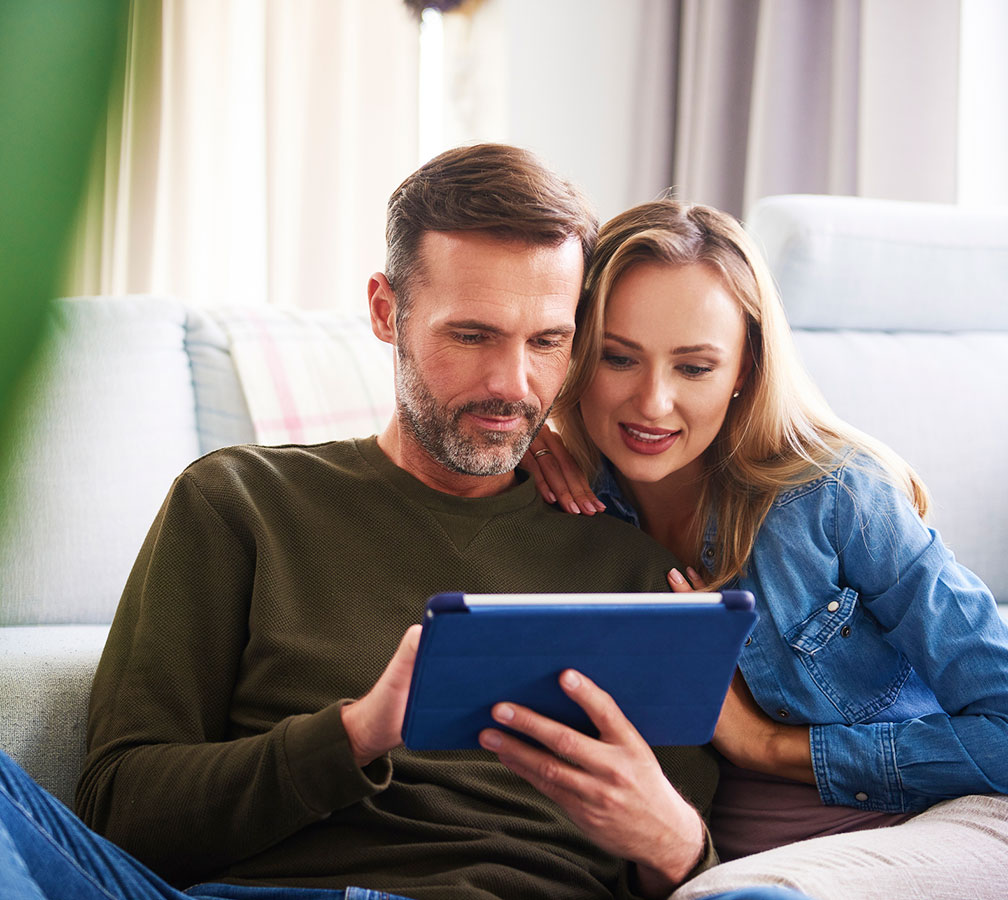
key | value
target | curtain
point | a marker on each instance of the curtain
(250, 152)
(856, 97)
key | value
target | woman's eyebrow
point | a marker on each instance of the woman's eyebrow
(676, 351)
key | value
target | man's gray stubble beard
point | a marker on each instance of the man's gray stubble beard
(437, 430)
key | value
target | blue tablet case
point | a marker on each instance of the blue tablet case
(667, 660)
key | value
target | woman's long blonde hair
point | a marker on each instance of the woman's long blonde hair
(779, 433)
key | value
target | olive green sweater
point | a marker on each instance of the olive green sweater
(276, 582)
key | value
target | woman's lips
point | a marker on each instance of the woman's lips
(641, 439)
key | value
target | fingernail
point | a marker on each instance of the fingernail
(503, 713)
(692, 573)
(572, 507)
(551, 497)
(490, 739)
(570, 679)
(676, 576)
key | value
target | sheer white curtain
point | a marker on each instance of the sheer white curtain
(251, 153)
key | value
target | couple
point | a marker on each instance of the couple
(244, 723)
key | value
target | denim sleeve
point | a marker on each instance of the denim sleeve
(943, 619)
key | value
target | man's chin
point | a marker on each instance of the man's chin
(486, 459)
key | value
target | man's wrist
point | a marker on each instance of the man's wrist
(687, 850)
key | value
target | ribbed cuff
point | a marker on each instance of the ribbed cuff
(322, 765)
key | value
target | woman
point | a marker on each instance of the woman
(875, 684)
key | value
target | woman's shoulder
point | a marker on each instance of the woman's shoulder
(854, 470)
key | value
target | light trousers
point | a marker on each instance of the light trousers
(956, 850)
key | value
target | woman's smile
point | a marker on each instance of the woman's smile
(642, 439)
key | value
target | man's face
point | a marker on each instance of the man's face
(484, 348)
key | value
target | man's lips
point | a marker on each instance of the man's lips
(642, 439)
(497, 423)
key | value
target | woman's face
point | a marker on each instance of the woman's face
(673, 355)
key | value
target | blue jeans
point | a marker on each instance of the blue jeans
(47, 853)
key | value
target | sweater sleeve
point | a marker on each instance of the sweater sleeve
(164, 776)
(943, 620)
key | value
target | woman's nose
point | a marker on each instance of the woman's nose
(656, 397)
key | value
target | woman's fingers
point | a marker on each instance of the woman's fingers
(679, 584)
(558, 477)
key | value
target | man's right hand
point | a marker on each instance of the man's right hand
(374, 723)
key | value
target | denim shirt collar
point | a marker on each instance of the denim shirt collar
(607, 489)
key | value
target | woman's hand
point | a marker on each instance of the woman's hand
(680, 585)
(748, 737)
(611, 787)
(745, 735)
(558, 478)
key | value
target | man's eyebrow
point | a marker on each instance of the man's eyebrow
(676, 351)
(476, 325)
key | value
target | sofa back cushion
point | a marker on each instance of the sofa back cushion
(899, 312)
(109, 423)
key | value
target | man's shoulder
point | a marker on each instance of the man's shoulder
(253, 467)
(608, 535)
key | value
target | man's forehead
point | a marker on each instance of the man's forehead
(475, 276)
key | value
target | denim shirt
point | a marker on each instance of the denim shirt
(870, 632)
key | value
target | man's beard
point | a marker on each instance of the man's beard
(438, 429)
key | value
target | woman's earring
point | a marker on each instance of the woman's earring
(735, 395)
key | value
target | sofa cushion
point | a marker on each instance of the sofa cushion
(309, 377)
(45, 680)
(851, 262)
(110, 423)
(222, 413)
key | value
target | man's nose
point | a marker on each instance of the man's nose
(507, 373)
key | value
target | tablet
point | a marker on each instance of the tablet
(667, 659)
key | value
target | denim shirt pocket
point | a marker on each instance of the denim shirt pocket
(845, 654)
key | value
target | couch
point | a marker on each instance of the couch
(897, 309)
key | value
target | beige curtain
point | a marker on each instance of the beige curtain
(251, 152)
(833, 96)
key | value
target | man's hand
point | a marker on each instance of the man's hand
(612, 787)
(374, 723)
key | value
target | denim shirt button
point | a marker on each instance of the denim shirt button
(833, 606)
(860, 796)
(845, 631)
(708, 553)
(748, 641)
(782, 713)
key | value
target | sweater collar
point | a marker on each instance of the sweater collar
(522, 494)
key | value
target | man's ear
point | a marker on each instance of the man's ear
(381, 303)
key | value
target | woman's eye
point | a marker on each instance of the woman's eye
(695, 371)
(617, 361)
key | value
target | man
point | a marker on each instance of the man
(279, 584)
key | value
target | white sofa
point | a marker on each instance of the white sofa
(898, 308)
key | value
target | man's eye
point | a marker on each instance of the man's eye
(616, 361)
(466, 337)
(546, 343)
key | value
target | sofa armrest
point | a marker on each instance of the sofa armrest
(45, 680)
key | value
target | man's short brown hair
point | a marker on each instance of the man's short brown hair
(500, 190)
